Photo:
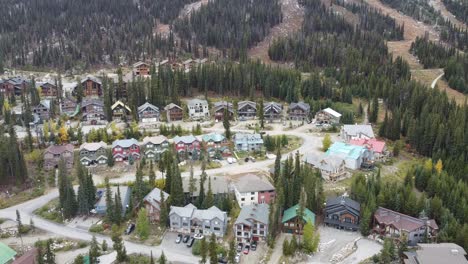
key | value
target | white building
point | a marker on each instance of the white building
(252, 189)
(349, 132)
(198, 109)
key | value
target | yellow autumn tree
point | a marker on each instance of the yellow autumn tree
(439, 166)
(428, 165)
(63, 132)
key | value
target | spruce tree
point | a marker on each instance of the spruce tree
(261, 115)
(192, 183)
(93, 250)
(277, 164)
(162, 258)
(138, 188)
(118, 207)
(83, 199)
(226, 124)
(152, 176)
(49, 254)
(212, 249)
(118, 244)
(201, 194)
(209, 199)
(177, 191)
(203, 250)
(110, 213)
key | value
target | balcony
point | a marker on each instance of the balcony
(341, 224)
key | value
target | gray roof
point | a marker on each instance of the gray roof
(276, 106)
(197, 101)
(93, 146)
(302, 105)
(257, 212)
(185, 139)
(355, 130)
(185, 211)
(124, 143)
(242, 104)
(123, 194)
(252, 183)
(324, 162)
(248, 138)
(344, 201)
(222, 105)
(437, 253)
(92, 78)
(87, 102)
(209, 214)
(170, 106)
(45, 103)
(219, 185)
(154, 140)
(147, 105)
(154, 197)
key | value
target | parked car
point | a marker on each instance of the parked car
(237, 258)
(178, 239)
(198, 236)
(246, 159)
(190, 242)
(240, 246)
(246, 249)
(130, 229)
(186, 238)
(253, 246)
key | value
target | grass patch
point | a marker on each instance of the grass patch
(154, 239)
(21, 197)
(50, 211)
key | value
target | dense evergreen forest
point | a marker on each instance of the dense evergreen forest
(456, 37)
(373, 20)
(230, 24)
(434, 55)
(12, 162)
(63, 34)
(418, 9)
(459, 8)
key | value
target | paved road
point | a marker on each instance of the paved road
(311, 143)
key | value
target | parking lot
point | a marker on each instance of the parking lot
(254, 256)
(169, 242)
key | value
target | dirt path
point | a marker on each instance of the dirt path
(439, 6)
(293, 16)
(414, 29)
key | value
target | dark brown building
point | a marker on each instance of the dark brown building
(49, 90)
(174, 112)
(90, 86)
(342, 212)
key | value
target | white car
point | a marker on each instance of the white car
(198, 236)
(237, 258)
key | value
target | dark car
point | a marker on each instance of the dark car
(178, 239)
(186, 238)
(130, 229)
(253, 246)
(240, 246)
(190, 242)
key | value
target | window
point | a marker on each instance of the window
(347, 220)
(242, 199)
(285, 224)
(239, 233)
(207, 227)
(262, 226)
(252, 193)
(216, 229)
(184, 224)
(262, 233)
(251, 198)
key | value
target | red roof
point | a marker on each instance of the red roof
(401, 221)
(373, 144)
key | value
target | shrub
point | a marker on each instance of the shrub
(196, 249)
(96, 228)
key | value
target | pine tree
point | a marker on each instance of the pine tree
(151, 257)
(226, 124)
(118, 244)
(162, 258)
(152, 176)
(93, 250)
(232, 252)
(212, 249)
(104, 246)
(310, 238)
(192, 183)
(203, 250)
(110, 213)
(164, 212)
(326, 142)
(138, 188)
(177, 191)
(49, 254)
(261, 116)
(118, 210)
(375, 110)
(110, 159)
(83, 199)
(201, 194)
(209, 200)
(277, 164)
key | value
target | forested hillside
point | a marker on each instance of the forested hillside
(459, 8)
(65, 33)
(456, 37)
(419, 9)
(373, 20)
(233, 25)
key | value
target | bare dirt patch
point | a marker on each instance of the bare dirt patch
(439, 6)
(293, 16)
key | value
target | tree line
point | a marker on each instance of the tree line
(458, 8)
(232, 25)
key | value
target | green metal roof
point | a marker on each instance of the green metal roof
(6, 253)
(292, 212)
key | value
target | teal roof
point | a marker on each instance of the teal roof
(215, 137)
(292, 212)
(6, 254)
(345, 150)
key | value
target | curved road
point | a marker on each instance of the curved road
(311, 143)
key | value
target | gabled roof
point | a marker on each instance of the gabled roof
(215, 137)
(345, 201)
(222, 105)
(254, 212)
(6, 253)
(436, 254)
(185, 211)
(87, 102)
(219, 185)
(252, 183)
(154, 140)
(93, 146)
(305, 107)
(248, 138)
(346, 151)
(272, 105)
(331, 112)
(91, 78)
(119, 103)
(59, 149)
(242, 104)
(197, 101)
(154, 197)
(45, 103)
(356, 130)
(185, 139)
(48, 84)
(146, 105)
(291, 213)
(171, 105)
(324, 162)
(401, 221)
(210, 214)
(373, 144)
(137, 64)
(124, 143)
